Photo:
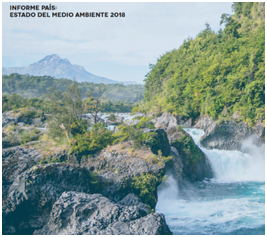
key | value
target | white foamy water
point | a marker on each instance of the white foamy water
(233, 202)
(234, 166)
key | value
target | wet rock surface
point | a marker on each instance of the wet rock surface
(80, 213)
(176, 166)
(152, 224)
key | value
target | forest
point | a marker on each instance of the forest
(217, 73)
(38, 86)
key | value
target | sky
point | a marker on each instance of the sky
(116, 48)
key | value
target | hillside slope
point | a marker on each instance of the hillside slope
(217, 74)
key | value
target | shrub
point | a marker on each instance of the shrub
(28, 114)
(128, 133)
(112, 117)
(145, 122)
(91, 142)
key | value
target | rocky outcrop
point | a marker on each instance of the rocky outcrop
(119, 164)
(176, 166)
(32, 194)
(79, 213)
(21, 127)
(158, 140)
(189, 161)
(29, 117)
(229, 135)
(187, 124)
(14, 162)
(166, 120)
(116, 120)
(7, 118)
(203, 122)
(152, 224)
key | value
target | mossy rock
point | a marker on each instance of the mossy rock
(158, 140)
(145, 186)
(196, 166)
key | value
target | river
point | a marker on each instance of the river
(232, 203)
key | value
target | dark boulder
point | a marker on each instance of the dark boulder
(79, 213)
(158, 140)
(175, 167)
(8, 117)
(32, 194)
(196, 166)
(15, 161)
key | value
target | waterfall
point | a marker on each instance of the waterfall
(235, 166)
(233, 202)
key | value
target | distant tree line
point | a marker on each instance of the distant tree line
(37, 86)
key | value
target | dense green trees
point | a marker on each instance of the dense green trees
(116, 97)
(37, 86)
(215, 73)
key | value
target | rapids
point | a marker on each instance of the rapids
(233, 202)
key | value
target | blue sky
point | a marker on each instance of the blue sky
(116, 48)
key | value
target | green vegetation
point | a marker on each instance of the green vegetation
(145, 122)
(50, 160)
(15, 102)
(37, 86)
(112, 117)
(188, 149)
(216, 73)
(145, 186)
(129, 133)
(92, 141)
(134, 133)
(25, 90)
(66, 114)
(15, 135)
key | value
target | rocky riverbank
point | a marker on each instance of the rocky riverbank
(228, 135)
(111, 192)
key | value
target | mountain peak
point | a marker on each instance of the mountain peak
(50, 57)
(57, 67)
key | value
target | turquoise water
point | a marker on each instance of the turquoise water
(233, 203)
